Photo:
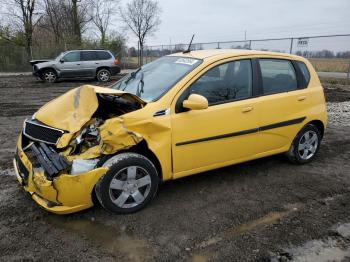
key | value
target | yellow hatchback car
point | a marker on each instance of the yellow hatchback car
(180, 115)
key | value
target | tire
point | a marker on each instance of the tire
(49, 75)
(129, 185)
(103, 75)
(305, 145)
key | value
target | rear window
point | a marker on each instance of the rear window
(278, 76)
(305, 71)
(103, 55)
(88, 56)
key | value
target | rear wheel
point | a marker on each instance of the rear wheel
(49, 76)
(305, 145)
(129, 185)
(103, 75)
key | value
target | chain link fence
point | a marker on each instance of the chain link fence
(14, 58)
(329, 53)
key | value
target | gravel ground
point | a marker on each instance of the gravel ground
(263, 210)
(339, 113)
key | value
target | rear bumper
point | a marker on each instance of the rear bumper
(115, 70)
(64, 194)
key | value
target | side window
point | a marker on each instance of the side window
(88, 56)
(72, 57)
(225, 82)
(103, 55)
(278, 76)
(305, 71)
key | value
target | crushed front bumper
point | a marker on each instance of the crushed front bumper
(64, 193)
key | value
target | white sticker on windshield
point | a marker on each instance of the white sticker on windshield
(186, 61)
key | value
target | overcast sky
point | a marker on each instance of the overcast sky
(224, 20)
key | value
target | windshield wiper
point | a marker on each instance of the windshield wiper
(140, 86)
(132, 75)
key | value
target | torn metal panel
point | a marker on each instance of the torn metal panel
(43, 186)
(114, 137)
(72, 110)
(76, 189)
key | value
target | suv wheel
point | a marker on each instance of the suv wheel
(49, 76)
(305, 145)
(103, 75)
(129, 185)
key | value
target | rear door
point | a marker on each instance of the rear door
(284, 104)
(89, 62)
(71, 65)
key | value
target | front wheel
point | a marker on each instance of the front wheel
(49, 76)
(305, 145)
(103, 75)
(129, 185)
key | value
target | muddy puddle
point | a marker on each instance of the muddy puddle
(109, 238)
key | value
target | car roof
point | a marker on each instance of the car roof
(88, 50)
(211, 53)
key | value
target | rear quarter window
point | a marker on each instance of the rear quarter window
(305, 71)
(103, 55)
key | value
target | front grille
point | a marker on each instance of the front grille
(39, 132)
(22, 170)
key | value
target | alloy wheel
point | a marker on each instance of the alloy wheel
(130, 187)
(50, 76)
(104, 76)
(308, 144)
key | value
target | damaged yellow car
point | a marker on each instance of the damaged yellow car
(179, 115)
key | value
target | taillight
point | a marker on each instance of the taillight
(116, 61)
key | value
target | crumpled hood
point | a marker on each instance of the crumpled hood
(72, 110)
(42, 61)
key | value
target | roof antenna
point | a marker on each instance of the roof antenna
(189, 46)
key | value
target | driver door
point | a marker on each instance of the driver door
(225, 132)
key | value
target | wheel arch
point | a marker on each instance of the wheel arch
(102, 67)
(319, 125)
(141, 148)
(42, 70)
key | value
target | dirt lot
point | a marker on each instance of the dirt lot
(264, 210)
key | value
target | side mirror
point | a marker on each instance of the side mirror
(61, 61)
(195, 102)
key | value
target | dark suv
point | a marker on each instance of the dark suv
(99, 64)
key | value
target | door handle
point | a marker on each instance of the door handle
(97, 63)
(247, 109)
(78, 64)
(301, 98)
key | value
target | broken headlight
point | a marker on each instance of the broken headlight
(89, 136)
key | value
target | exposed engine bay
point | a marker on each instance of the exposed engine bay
(62, 143)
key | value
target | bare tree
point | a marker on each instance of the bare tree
(24, 15)
(142, 18)
(66, 20)
(53, 20)
(76, 22)
(102, 11)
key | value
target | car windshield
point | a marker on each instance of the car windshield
(153, 80)
(60, 55)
